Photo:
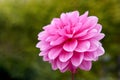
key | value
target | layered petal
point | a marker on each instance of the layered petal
(54, 52)
(86, 65)
(54, 65)
(42, 35)
(99, 36)
(77, 59)
(46, 58)
(73, 17)
(57, 41)
(57, 22)
(91, 33)
(62, 65)
(43, 45)
(100, 51)
(43, 53)
(82, 46)
(70, 45)
(90, 22)
(94, 44)
(65, 56)
(89, 56)
(64, 18)
(83, 17)
(80, 34)
(77, 27)
(98, 27)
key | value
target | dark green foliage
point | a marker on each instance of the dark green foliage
(22, 20)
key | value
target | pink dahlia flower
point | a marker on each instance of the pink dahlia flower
(71, 41)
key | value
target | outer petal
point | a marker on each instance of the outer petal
(65, 69)
(90, 23)
(73, 17)
(54, 65)
(64, 18)
(94, 44)
(82, 46)
(89, 56)
(43, 53)
(47, 27)
(42, 35)
(98, 27)
(57, 22)
(65, 56)
(77, 59)
(83, 17)
(46, 58)
(62, 65)
(86, 65)
(70, 45)
(100, 51)
(99, 36)
(54, 52)
(43, 45)
(50, 29)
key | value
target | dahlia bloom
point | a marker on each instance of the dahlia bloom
(71, 42)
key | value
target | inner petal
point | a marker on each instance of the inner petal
(70, 45)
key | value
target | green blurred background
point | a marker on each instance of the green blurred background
(22, 20)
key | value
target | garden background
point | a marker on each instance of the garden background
(22, 20)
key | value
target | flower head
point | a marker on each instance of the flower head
(71, 41)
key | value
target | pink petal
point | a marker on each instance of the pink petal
(45, 58)
(54, 52)
(67, 29)
(89, 56)
(62, 65)
(73, 17)
(77, 59)
(69, 35)
(57, 41)
(64, 19)
(54, 65)
(81, 34)
(57, 23)
(70, 45)
(99, 36)
(90, 34)
(83, 17)
(43, 53)
(90, 23)
(42, 35)
(98, 27)
(100, 51)
(61, 32)
(65, 56)
(94, 44)
(86, 65)
(72, 68)
(50, 29)
(51, 38)
(82, 46)
(77, 27)
(47, 27)
(38, 44)
(65, 69)
(43, 45)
